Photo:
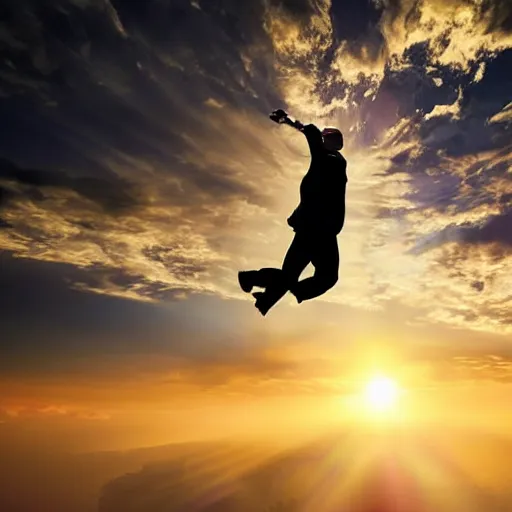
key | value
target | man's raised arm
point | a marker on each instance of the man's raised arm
(314, 138)
(312, 133)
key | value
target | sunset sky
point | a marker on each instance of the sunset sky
(139, 171)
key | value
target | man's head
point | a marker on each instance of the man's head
(333, 139)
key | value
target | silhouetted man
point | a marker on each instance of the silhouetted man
(317, 221)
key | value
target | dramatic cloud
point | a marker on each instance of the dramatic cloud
(139, 150)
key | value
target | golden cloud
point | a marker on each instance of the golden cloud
(504, 116)
(41, 411)
(457, 32)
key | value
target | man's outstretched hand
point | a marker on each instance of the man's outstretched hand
(278, 116)
(281, 117)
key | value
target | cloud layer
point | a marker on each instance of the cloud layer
(139, 148)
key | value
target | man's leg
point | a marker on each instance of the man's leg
(296, 260)
(325, 258)
(262, 278)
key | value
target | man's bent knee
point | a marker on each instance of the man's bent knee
(329, 280)
(289, 280)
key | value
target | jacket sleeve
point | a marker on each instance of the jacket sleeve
(314, 138)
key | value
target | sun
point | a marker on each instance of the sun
(381, 394)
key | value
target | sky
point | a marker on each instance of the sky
(139, 171)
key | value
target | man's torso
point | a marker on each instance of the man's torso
(322, 194)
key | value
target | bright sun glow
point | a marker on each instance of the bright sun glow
(381, 394)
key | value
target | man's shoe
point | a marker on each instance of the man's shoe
(245, 281)
(263, 304)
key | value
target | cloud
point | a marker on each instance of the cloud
(182, 373)
(491, 368)
(300, 38)
(504, 116)
(356, 65)
(212, 102)
(457, 32)
(452, 110)
(451, 234)
(32, 412)
(113, 193)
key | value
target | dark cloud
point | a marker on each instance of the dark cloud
(478, 285)
(500, 15)
(44, 45)
(302, 9)
(355, 20)
(5, 195)
(496, 229)
(113, 193)
(440, 180)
